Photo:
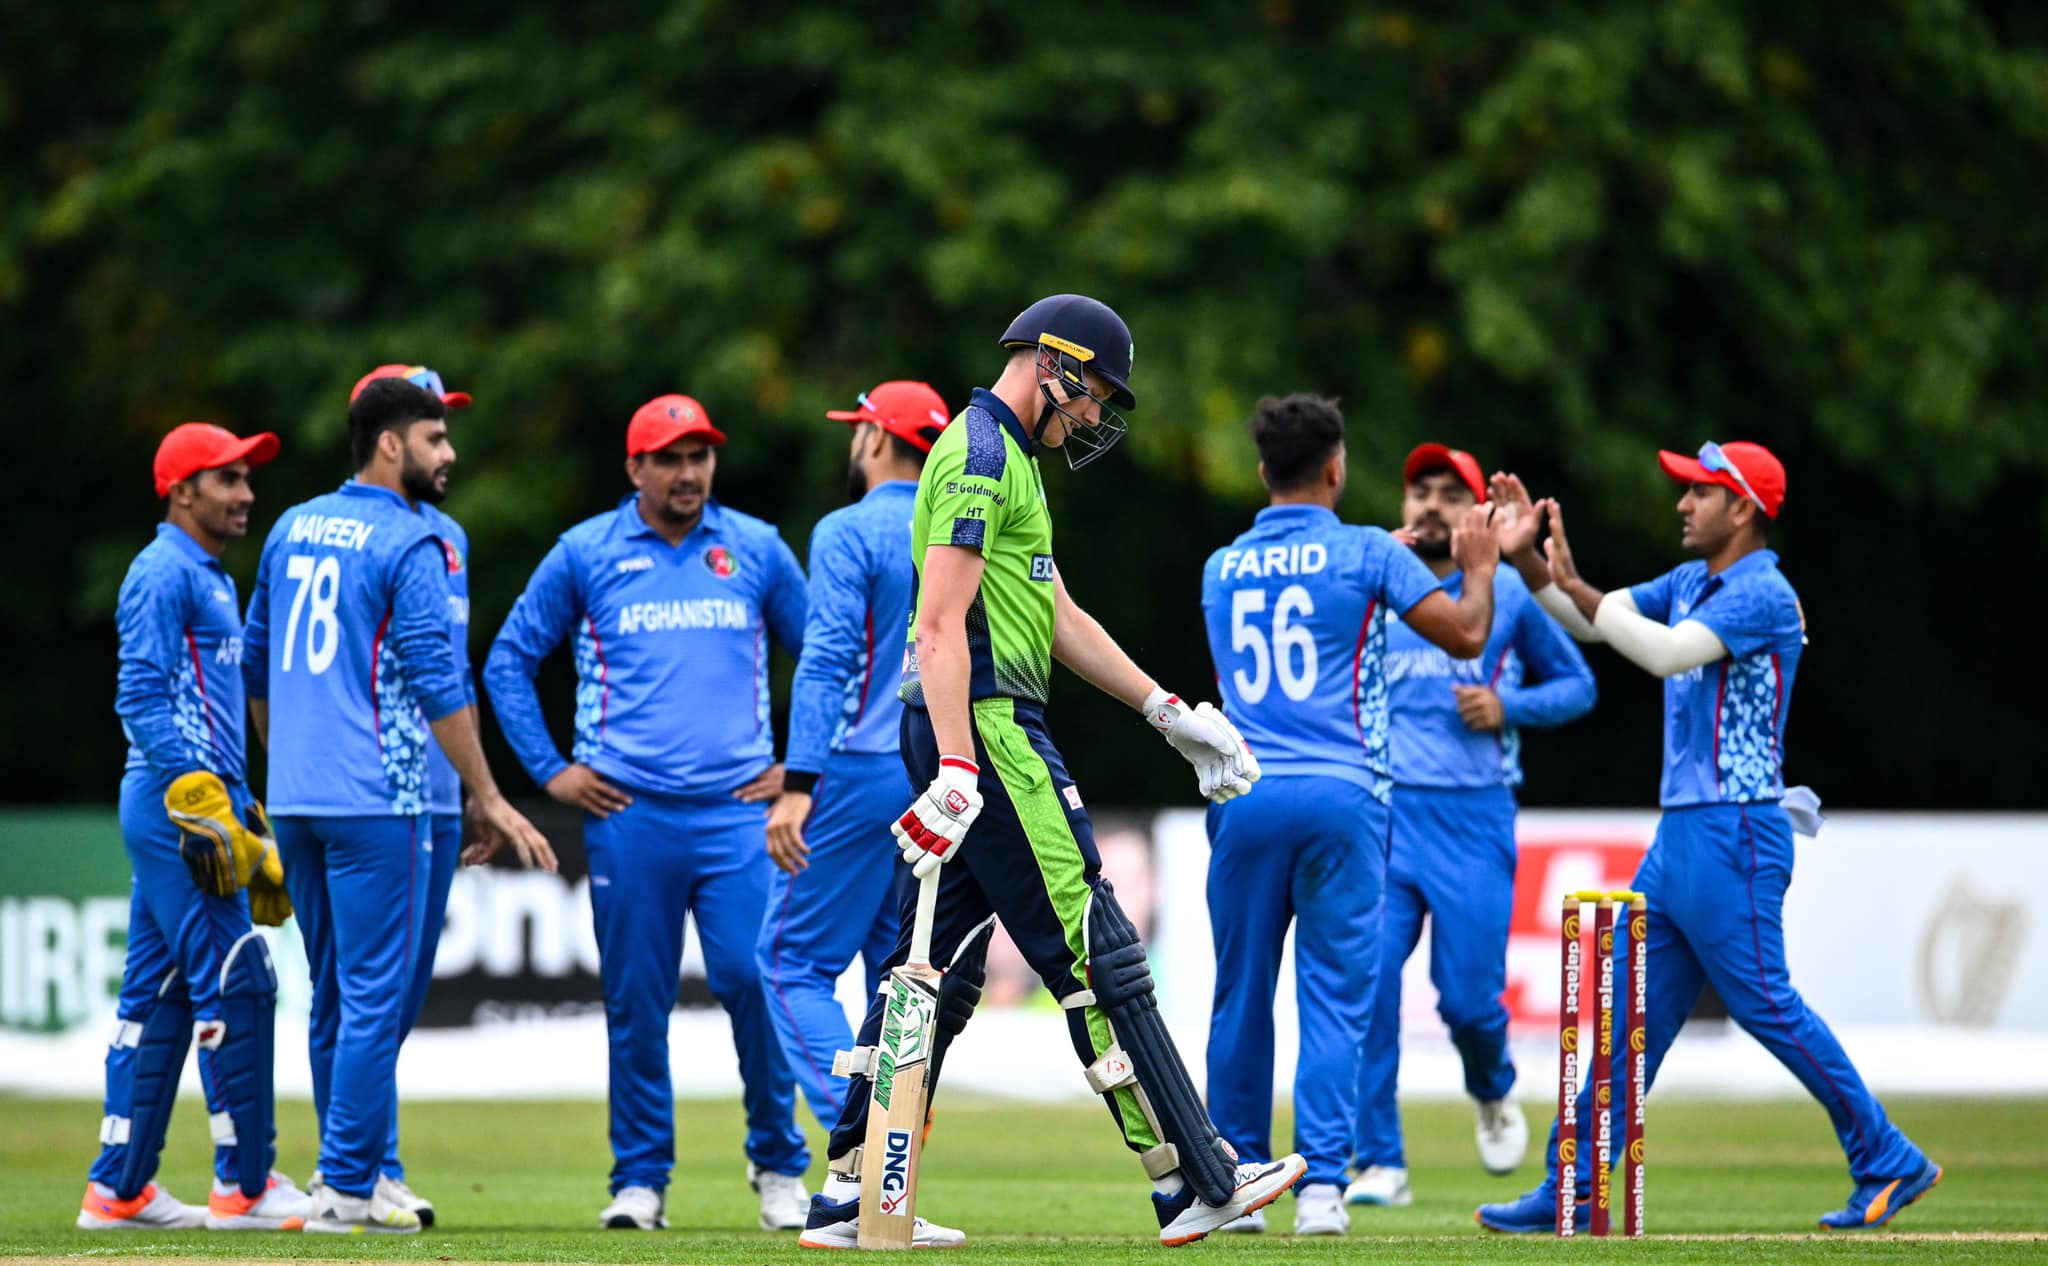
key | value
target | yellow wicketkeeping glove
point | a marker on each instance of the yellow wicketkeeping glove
(269, 904)
(222, 854)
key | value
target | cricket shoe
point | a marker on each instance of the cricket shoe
(1381, 1185)
(338, 1213)
(395, 1190)
(1183, 1218)
(1534, 1212)
(1873, 1204)
(281, 1207)
(836, 1224)
(1503, 1134)
(1319, 1210)
(635, 1209)
(154, 1210)
(784, 1201)
(1253, 1223)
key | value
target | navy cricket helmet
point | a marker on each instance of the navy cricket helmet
(1087, 331)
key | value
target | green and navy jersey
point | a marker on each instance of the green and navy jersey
(982, 489)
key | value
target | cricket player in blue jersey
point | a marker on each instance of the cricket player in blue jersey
(1457, 761)
(672, 599)
(203, 864)
(1725, 632)
(1297, 610)
(444, 785)
(836, 892)
(349, 664)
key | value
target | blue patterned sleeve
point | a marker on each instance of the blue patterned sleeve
(542, 617)
(1653, 597)
(835, 638)
(786, 602)
(420, 632)
(150, 618)
(1755, 613)
(1404, 579)
(1564, 689)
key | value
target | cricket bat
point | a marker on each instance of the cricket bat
(901, 1089)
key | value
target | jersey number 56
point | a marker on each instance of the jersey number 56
(1274, 655)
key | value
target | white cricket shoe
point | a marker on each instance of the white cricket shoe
(281, 1207)
(784, 1202)
(395, 1190)
(1185, 1217)
(337, 1213)
(836, 1224)
(1503, 1135)
(635, 1209)
(1253, 1223)
(1319, 1210)
(1382, 1185)
(155, 1209)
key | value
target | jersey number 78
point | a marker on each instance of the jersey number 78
(319, 589)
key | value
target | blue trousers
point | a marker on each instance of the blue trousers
(359, 888)
(1310, 851)
(1716, 877)
(445, 853)
(844, 903)
(1453, 859)
(172, 927)
(650, 865)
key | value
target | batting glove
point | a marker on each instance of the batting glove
(931, 829)
(1224, 767)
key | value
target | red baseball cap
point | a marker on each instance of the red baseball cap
(664, 420)
(1750, 471)
(195, 446)
(910, 411)
(418, 376)
(1428, 457)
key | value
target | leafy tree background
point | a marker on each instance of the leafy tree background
(1559, 235)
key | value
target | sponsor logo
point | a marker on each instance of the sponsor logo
(1567, 1151)
(222, 595)
(1072, 795)
(1635, 1152)
(639, 562)
(1635, 1040)
(906, 1031)
(970, 488)
(1604, 1096)
(721, 562)
(895, 1200)
(956, 802)
(1568, 1037)
(1041, 567)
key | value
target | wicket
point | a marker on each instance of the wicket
(1571, 1011)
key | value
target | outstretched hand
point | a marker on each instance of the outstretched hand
(1516, 520)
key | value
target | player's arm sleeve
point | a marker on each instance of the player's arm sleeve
(421, 632)
(964, 487)
(1563, 689)
(151, 619)
(256, 635)
(835, 637)
(1557, 604)
(1404, 579)
(542, 617)
(1659, 649)
(787, 602)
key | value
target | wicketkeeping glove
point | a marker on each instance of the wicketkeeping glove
(269, 904)
(218, 849)
(930, 831)
(1224, 767)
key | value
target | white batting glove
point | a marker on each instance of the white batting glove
(931, 829)
(1224, 767)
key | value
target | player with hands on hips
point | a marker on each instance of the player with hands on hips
(1725, 633)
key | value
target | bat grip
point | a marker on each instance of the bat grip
(921, 929)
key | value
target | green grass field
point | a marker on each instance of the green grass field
(524, 1181)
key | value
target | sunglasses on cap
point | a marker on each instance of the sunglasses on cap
(428, 379)
(1712, 458)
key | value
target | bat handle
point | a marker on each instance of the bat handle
(921, 929)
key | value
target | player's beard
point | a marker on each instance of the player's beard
(856, 481)
(420, 483)
(1433, 549)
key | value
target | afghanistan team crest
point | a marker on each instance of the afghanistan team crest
(721, 562)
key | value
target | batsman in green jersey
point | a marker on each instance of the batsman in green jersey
(1000, 812)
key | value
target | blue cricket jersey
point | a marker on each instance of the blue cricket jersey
(859, 598)
(1724, 724)
(671, 649)
(444, 785)
(1297, 615)
(1529, 661)
(348, 639)
(179, 689)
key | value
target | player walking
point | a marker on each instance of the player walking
(1725, 632)
(444, 785)
(196, 839)
(349, 663)
(1457, 761)
(1298, 610)
(992, 615)
(835, 893)
(671, 597)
